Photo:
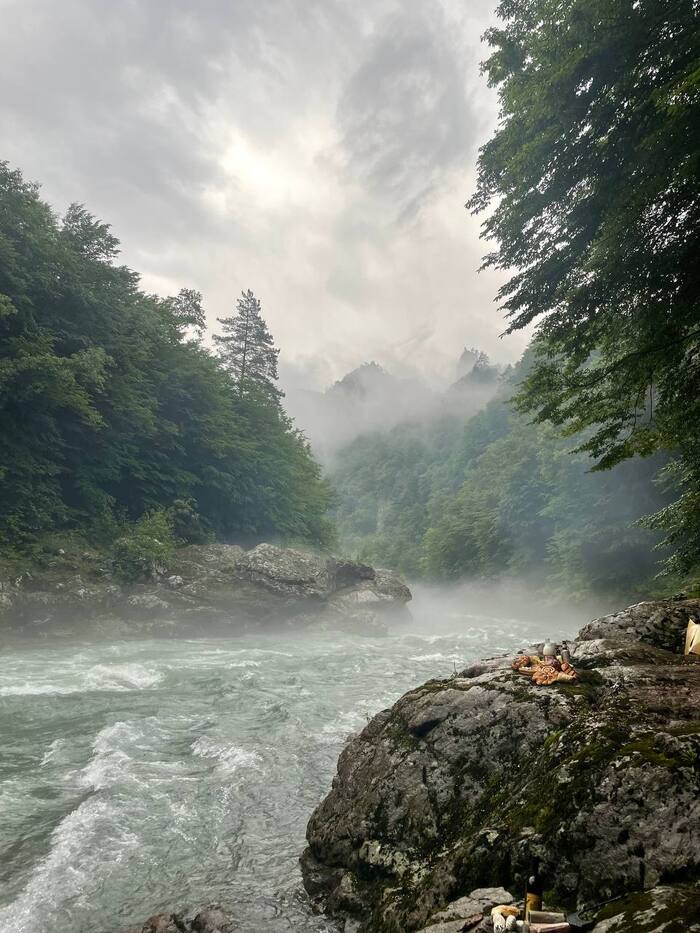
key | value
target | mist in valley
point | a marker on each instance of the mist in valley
(372, 399)
(289, 431)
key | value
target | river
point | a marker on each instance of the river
(139, 776)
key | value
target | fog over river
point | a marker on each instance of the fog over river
(144, 775)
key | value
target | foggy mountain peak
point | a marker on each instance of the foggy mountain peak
(364, 380)
(370, 399)
(372, 384)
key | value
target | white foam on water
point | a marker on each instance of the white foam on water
(471, 634)
(34, 690)
(342, 726)
(55, 751)
(71, 868)
(110, 762)
(107, 677)
(129, 676)
(232, 757)
(437, 657)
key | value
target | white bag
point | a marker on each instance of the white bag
(692, 638)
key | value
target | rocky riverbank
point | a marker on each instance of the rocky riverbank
(205, 589)
(210, 920)
(463, 781)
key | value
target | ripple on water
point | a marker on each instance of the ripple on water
(231, 757)
(87, 837)
(185, 771)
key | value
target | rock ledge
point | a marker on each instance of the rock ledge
(206, 589)
(463, 780)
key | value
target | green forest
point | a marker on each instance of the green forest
(590, 197)
(117, 423)
(498, 496)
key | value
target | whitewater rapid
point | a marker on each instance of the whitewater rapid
(150, 775)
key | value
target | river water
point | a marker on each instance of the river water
(137, 776)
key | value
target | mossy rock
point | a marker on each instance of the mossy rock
(671, 908)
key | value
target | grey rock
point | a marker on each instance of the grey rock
(389, 583)
(462, 781)
(666, 907)
(478, 902)
(345, 896)
(287, 571)
(148, 604)
(445, 926)
(212, 588)
(213, 920)
(350, 572)
(661, 623)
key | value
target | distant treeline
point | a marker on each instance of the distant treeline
(111, 408)
(497, 496)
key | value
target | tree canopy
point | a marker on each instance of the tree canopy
(111, 406)
(592, 179)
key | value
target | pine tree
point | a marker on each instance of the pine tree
(247, 349)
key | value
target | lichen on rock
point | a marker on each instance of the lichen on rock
(463, 781)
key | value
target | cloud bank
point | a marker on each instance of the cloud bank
(319, 153)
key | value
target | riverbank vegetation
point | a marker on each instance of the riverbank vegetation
(592, 181)
(113, 411)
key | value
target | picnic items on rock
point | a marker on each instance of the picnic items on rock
(534, 889)
(504, 918)
(552, 667)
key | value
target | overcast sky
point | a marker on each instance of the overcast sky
(316, 151)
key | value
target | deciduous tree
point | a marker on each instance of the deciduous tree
(593, 180)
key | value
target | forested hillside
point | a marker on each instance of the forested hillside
(111, 408)
(497, 496)
(590, 184)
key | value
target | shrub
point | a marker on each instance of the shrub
(145, 548)
(188, 526)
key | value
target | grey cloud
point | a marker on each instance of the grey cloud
(280, 145)
(405, 114)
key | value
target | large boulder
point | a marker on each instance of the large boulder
(463, 781)
(288, 571)
(370, 598)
